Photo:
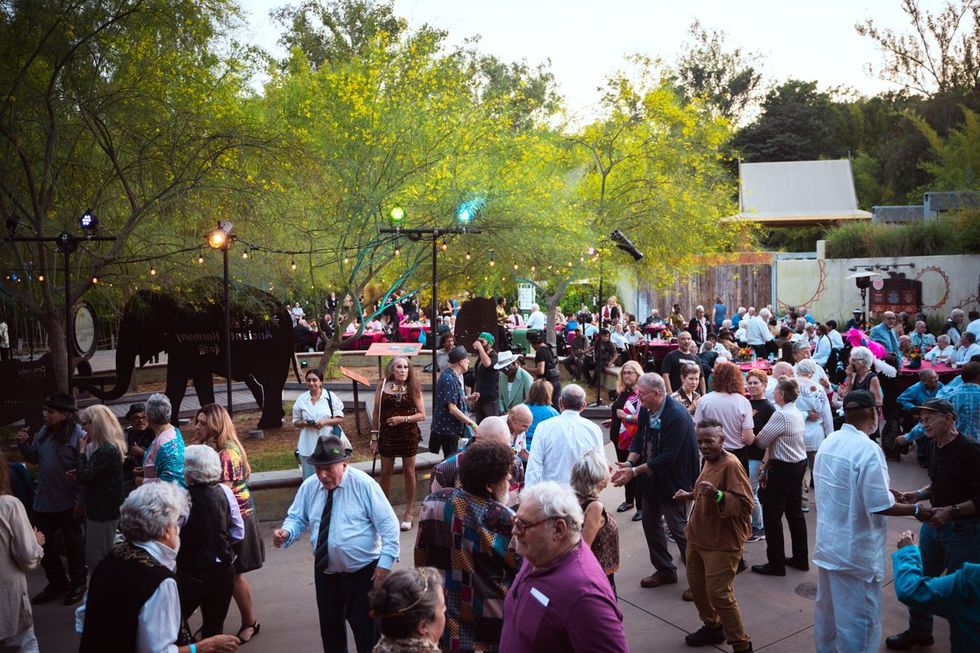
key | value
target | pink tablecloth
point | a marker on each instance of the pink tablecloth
(654, 328)
(410, 332)
(940, 368)
(364, 341)
(759, 364)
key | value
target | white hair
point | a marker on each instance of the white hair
(806, 367)
(723, 356)
(158, 408)
(765, 314)
(201, 465)
(572, 397)
(151, 509)
(943, 338)
(863, 354)
(589, 473)
(557, 502)
(651, 381)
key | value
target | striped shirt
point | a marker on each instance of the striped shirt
(783, 435)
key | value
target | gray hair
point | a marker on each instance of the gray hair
(557, 502)
(863, 354)
(589, 474)
(806, 367)
(782, 368)
(158, 409)
(943, 338)
(765, 314)
(493, 429)
(572, 397)
(151, 509)
(723, 357)
(201, 465)
(653, 381)
(800, 346)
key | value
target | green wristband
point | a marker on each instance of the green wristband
(719, 496)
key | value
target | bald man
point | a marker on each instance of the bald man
(491, 429)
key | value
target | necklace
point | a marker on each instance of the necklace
(398, 390)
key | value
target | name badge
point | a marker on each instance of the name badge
(542, 599)
(655, 423)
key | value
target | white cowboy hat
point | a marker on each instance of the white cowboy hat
(505, 359)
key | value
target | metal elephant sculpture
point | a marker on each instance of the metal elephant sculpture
(190, 328)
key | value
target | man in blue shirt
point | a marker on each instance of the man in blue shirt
(354, 534)
(917, 394)
(884, 333)
(450, 414)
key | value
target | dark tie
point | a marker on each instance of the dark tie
(320, 557)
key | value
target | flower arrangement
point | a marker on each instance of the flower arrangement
(744, 354)
(915, 353)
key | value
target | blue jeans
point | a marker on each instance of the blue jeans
(754, 466)
(944, 550)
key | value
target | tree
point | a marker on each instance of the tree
(132, 109)
(940, 55)
(725, 81)
(957, 158)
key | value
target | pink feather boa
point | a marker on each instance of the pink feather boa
(858, 339)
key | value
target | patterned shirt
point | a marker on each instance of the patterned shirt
(164, 460)
(234, 473)
(446, 475)
(449, 390)
(966, 401)
(468, 538)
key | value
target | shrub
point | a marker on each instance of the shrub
(955, 234)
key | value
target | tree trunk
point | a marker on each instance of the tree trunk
(552, 302)
(54, 325)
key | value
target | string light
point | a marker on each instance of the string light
(515, 266)
(245, 254)
(40, 278)
(398, 251)
(95, 280)
(444, 246)
(200, 259)
(292, 265)
(153, 272)
(492, 263)
(468, 257)
(346, 260)
(533, 268)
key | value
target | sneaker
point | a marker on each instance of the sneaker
(757, 535)
(706, 636)
(805, 507)
(908, 639)
(670, 537)
(48, 594)
(75, 595)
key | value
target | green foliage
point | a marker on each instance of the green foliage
(955, 234)
(957, 163)
(797, 239)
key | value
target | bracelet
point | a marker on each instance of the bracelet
(630, 463)
(193, 648)
(719, 496)
(919, 495)
(916, 513)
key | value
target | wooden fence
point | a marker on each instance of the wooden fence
(742, 284)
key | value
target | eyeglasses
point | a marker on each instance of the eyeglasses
(521, 526)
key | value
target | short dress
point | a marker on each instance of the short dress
(400, 440)
(250, 551)
(605, 546)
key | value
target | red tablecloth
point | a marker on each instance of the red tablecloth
(410, 332)
(654, 328)
(657, 350)
(759, 364)
(940, 368)
(364, 341)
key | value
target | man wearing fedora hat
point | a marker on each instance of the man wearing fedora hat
(853, 498)
(513, 381)
(950, 538)
(58, 500)
(450, 414)
(139, 437)
(354, 534)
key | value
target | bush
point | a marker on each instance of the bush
(954, 234)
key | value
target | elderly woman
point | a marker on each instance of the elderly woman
(623, 426)
(133, 603)
(316, 416)
(782, 471)
(411, 611)
(540, 402)
(215, 428)
(205, 570)
(164, 460)
(398, 409)
(101, 453)
(590, 476)
(815, 407)
(861, 376)
(22, 550)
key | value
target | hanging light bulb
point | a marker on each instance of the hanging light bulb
(492, 263)
(468, 257)
(444, 246)
(95, 280)
(153, 272)
(533, 268)
(200, 259)
(515, 266)
(346, 260)
(398, 251)
(40, 278)
(245, 254)
(292, 265)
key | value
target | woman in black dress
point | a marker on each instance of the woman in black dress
(398, 409)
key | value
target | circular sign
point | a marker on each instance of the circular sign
(83, 330)
(878, 283)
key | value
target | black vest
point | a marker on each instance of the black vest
(125, 579)
(204, 539)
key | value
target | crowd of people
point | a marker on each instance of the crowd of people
(514, 551)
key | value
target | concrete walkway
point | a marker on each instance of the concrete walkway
(778, 612)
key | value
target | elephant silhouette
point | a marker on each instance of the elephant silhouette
(189, 326)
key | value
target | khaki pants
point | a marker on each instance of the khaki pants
(711, 575)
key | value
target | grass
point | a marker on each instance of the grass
(949, 235)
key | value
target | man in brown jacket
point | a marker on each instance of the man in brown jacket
(716, 532)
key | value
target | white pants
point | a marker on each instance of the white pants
(847, 616)
(22, 641)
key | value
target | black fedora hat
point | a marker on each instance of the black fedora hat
(61, 401)
(329, 451)
(135, 409)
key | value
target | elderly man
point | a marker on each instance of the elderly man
(954, 326)
(737, 318)
(536, 320)
(560, 441)
(513, 381)
(801, 351)
(853, 499)
(757, 333)
(699, 326)
(519, 420)
(943, 352)
(654, 318)
(779, 370)
(968, 347)
(856, 321)
(354, 535)
(949, 538)
(664, 456)
(884, 333)
(491, 429)
(58, 500)
(716, 535)
(450, 415)
(921, 337)
(561, 600)
(466, 533)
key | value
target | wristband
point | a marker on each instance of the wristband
(719, 496)
(919, 495)
(916, 513)
(193, 648)
(631, 463)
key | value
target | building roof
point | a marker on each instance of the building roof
(798, 193)
(910, 213)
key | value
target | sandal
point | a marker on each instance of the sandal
(256, 627)
(406, 525)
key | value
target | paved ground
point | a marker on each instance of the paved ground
(777, 612)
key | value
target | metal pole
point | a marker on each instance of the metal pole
(227, 331)
(432, 322)
(68, 329)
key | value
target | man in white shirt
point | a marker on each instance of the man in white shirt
(954, 326)
(560, 441)
(974, 325)
(757, 332)
(836, 341)
(943, 351)
(536, 320)
(779, 370)
(633, 335)
(853, 498)
(968, 347)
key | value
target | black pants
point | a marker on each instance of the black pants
(209, 589)
(64, 522)
(632, 496)
(555, 381)
(344, 597)
(783, 494)
(485, 408)
(675, 514)
(449, 444)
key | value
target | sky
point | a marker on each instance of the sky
(586, 40)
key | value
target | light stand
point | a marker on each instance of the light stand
(221, 238)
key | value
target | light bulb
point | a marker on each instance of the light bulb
(153, 272)
(492, 263)
(200, 259)
(292, 265)
(40, 278)
(397, 251)
(468, 257)
(95, 280)
(245, 254)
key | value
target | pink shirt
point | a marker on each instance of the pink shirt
(733, 411)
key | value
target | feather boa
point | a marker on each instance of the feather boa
(857, 338)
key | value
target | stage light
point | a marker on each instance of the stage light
(397, 216)
(88, 221)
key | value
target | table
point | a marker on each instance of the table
(942, 369)
(409, 332)
(364, 341)
(654, 329)
(655, 350)
(758, 364)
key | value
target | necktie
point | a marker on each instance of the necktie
(320, 557)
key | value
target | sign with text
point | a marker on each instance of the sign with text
(526, 295)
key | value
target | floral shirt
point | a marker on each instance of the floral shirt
(234, 472)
